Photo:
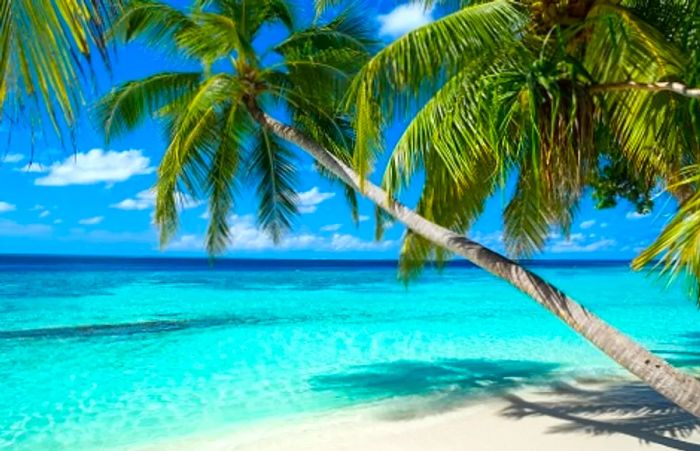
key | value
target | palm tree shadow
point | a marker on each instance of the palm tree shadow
(631, 409)
(430, 387)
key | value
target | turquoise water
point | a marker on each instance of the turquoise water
(97, 354)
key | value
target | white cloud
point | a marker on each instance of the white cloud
(577, 243)
(12, 158)
(43, 211)
(308, 201)
(32, 167)
(363, 218)
(91, 221)
(12, 228)
(187, 243)
(58, 221)
(633, 215)
(246, 236)
(142, 201)
(96, 166)
(553, 235)
(587, 224)
(147, 199)
(5, 207)
(603, 225)
(404, 18)
(331, 227)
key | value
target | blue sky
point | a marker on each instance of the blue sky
(98, 201)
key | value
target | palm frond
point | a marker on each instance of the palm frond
(235, 125)
(415, 252)
(527, 219)
(447, 126)
(347, 30)
(46, 55)
(211, 37)
(675, 250)
(155, 22)
(126, 106)
(251, 15)
(271, 167)
(194, 136)
(418, 62)
(320, 6)
(450, 203)
(321, 60)
(654, 129)
(624, 47)
(276, 11)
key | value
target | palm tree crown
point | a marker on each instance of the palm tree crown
(213, 140)
(553, 95)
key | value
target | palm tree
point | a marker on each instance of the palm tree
(46, 53)
(220, 130)
(215, 141)
(554, 96)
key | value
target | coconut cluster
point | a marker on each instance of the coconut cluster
(546, 14)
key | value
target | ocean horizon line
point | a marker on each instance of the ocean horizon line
(197, 262)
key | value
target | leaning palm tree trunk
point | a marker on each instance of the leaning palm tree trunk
(678, 387)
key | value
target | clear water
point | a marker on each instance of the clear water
(99, 354)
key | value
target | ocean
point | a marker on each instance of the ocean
(113, 353)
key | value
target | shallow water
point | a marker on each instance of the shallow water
(101, 353)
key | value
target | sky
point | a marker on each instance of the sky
(97, 200)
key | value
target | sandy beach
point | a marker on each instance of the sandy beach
(567, 416)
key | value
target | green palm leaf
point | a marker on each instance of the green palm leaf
(153, 21)
(250, 15)
(221, 177)
(675, 250)
(271, 166)
(392, 81)
(41, 76)
(126, 106)
(194, 135)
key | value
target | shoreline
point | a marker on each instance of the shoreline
(584, 415)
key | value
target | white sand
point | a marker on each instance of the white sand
(575, 417)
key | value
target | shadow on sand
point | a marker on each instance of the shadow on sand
(429, 387)
(629, 408)
(590, 407)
